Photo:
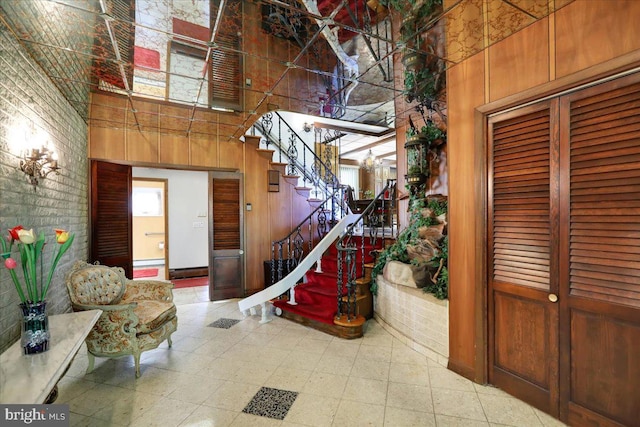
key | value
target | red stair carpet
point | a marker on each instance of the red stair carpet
(317, 298)
(145, 272)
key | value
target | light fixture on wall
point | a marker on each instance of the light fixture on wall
(369, 162)
(307, 127)
(38, 158)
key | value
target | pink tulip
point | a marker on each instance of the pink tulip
(10, 263)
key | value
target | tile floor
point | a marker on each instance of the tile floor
(211, 374)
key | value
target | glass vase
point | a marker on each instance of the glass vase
(35, 327)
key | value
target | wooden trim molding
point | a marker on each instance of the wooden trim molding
(608, 70)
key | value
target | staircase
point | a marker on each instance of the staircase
(321, 271)
(315, 302)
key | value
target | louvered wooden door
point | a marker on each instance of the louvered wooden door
(111, 216)
(600, 254)
(564, 254)
(523, 183)
(226, 271)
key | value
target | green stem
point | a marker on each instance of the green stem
(54, 262)
(42, 294)
(31, 277)
(16, 282)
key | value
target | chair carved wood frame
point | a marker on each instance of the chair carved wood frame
(136, 315)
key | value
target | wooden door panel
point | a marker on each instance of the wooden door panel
(605, 376)
(519, 339)
(227, 269)
(600, 266)
(523, 336)
(226, 275)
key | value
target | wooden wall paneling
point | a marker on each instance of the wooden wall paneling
(257, 244)
(205, 123)
(589, 32)
(280, 211)
(142, 146)
(513, 72)
(174, 149)
(231, 154)
(107, 111)
(146, 114)
(298, 88)
(204, 151)
(465, 83)
(174, 119)
(106, 143)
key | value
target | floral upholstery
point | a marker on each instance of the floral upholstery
(153, 314)
(98, 285)
(136, 315)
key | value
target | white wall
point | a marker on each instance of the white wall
(188, 204)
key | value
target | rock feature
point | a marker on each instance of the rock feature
(429, 244)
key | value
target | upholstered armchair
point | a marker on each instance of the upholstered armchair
(136, 315)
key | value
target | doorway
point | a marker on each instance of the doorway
(149, 203)
(187, 207)
(562, 254)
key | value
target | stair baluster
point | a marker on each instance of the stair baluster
(347, 250)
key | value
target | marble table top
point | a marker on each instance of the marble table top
(30, 378)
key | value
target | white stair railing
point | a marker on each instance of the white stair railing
(261, 298)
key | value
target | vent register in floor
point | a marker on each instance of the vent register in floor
(267, 402)
(271, 403)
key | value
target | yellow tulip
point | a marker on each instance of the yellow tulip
(61, 235)
(27, 236)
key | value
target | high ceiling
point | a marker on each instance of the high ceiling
(179, 51)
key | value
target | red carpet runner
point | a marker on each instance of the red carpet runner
(317, 298)
(190, 282)
(145, 272)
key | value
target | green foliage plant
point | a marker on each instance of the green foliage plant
(409, 236)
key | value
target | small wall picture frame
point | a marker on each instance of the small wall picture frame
(273, 180)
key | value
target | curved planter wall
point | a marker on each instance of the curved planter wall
(418, 319)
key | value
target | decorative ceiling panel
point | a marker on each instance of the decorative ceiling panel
(158, 50)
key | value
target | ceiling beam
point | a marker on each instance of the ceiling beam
(369, 146)
(353, 130)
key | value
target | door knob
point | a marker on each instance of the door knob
(553, 297)
(240, 252)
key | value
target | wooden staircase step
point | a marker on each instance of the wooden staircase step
(364, 305)
(291, 179)
(364, 281)
(304, 191)
(346, 330)
(280, 167)
(314, 203)
(265, 154)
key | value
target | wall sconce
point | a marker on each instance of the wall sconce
(38, 159)
(307, 127)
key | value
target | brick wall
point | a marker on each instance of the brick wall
(418, 319)
(27, 97)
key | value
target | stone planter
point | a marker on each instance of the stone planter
(418, 319)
